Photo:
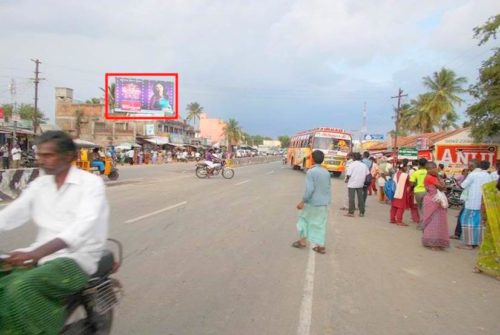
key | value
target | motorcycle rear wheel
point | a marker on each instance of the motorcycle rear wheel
(227, 173)
(103, 323)
(201, 172)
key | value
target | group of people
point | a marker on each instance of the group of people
(419, 187)
(139, 156)
(11, 157)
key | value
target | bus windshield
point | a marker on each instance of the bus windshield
(328, 143)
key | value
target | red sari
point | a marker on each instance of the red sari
(436, 232)
(398, 206)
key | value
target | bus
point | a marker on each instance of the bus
(335, 144)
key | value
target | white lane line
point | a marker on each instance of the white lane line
(243, 182)
(307, 298)
(270, 172)
(156, 212)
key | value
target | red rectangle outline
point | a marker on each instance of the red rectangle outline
(150, 74)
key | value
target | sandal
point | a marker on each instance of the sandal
(320, 250)
(476, 270)
(298, 245)
(454, 237)
(401, 224)
(349, 215)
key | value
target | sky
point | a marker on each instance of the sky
(277, 67)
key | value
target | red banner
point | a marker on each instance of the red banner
(461, 154)
(1, 113)
(427, 154)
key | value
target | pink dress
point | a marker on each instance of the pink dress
(435, 218)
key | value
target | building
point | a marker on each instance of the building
(87, 122)
(212, 130)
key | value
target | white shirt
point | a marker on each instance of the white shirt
(77, 213)
(130, 153)
(357, 172)
(16, 154)
(473, 186)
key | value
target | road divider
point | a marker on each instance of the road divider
(142, 217)
(305, 317)
(243, 182)
(253, 160)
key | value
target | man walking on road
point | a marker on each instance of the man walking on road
(356, 179)
(314, 206)
(4, 154)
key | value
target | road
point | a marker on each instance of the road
(214, 257)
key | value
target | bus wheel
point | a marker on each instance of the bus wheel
(337, 174)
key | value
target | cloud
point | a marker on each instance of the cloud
(265, 63)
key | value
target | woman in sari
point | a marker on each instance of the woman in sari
(435, 217)
(488, 257)
(403, 198)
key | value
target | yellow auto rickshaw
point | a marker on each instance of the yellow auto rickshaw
(84, 161)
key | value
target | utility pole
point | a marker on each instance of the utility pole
(36, 80)
(12, 88)
(364, 128)
(394, 149)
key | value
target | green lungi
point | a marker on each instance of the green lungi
(312, 224)
(32, 301)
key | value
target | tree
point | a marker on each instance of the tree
(93, 101)
(194, 112)
(233, 132)
(445, 89)
(25, 112)
(449, 121)
(485, 113)
(111, 97)
(284, 140)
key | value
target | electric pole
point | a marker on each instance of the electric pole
(14, 117)
(36, 80)
(394, 149)
(364, 128)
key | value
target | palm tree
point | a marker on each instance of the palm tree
(422, 120)
(194, 111)
(449, 121)
(111, 97)
(445, 89)
(233, 132)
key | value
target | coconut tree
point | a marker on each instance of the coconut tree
(233, 132)
(194, 111)
(422, 120)
(111, 96)
(445, 89)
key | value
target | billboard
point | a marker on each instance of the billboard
(374, 137)
(408, 153)
(142, 96)
(460, 155)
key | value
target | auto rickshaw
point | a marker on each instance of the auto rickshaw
(84, 162)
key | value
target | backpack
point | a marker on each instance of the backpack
(390, 189)
(368, 180)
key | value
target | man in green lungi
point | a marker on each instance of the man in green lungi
(70, 209)
(313, 217)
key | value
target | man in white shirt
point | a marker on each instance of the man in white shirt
(70, 209)
(16, 156)
(356, 178)
(470, 219)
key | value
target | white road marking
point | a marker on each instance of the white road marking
(270, 172)
(156, 212)
(307, 297)
(243, 182)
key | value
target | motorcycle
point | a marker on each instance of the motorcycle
(28, 159)
(203, 171)
(453, 192)
(90, 311)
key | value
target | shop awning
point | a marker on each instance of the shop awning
(158, 140)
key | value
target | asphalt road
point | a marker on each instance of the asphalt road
(214, 257)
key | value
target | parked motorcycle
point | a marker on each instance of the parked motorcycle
(453, 192)
(28, 159)
(203, 171)
(90, 311)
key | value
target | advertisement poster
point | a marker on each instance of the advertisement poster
(144, 97)
(459, 155)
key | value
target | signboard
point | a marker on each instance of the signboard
(374, 137)
(145, 97)
(149, 129)
(2, 113)
(408, 153)
(427, 154)
(458, 154)
(333, 135)
(422, 143)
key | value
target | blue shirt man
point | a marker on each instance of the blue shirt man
(314, 206)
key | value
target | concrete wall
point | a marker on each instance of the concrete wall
(12, 182)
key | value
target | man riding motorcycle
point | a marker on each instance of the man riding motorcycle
(70, 209)
(211, 160)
